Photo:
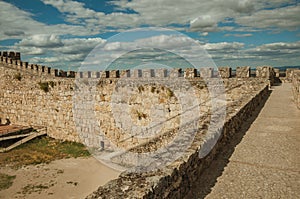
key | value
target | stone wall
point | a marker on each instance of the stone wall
(296, 87)
(173, 181)
(28, 98)
(224, 72)
(242, 72)
(289, 73)
(40, 96)
(24, 101)
(267, 72)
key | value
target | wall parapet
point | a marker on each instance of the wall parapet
(174, 180)
(13, 60)
(296, 87)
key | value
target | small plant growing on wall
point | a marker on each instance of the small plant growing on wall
(141, 88)
(140, 115)
(44, 86)
(170, 93)
(153, 89)
(18, 76)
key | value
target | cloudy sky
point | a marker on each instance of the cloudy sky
(61, 33)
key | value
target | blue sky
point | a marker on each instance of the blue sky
(61, 33)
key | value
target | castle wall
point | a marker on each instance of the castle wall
(41, 96)
(296, 87)
(244, 95)
(23, 101)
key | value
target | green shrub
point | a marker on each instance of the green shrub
(44, 86)
(18, 76)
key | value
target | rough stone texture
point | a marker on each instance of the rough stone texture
(289, 74)
(266, 72)
(190, 73)
(277, 72)
(25, 103)
(296, 87)
(206, 72)
(224, 72)
(174, 181)
(243, 71)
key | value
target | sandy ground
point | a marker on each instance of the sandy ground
(67, 178)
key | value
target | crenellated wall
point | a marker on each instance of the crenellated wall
(23, 98)
(243, 96)
(37, 95)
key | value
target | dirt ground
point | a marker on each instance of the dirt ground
(65, 178)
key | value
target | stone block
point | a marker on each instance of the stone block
(296, 87)
(161, 73)
(137, 73)
(206, 72)
(242, 71)
(146, 73)
(125, 74)
(176, 72)
(224, 72)
(277, 72)
(114, 74)
(264, 71)
(190, 73)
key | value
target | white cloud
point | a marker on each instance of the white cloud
(17, 23)
(239, 35)
(281, 18)
(53, 49)
(79, 45)
(202, 16)
(276, 49)
(31, 50)
(48, 41)
(224, 46)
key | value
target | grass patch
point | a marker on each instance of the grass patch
(42, 150)
(31, 188)
(6, 181)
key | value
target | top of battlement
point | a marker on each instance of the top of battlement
(13, 55)
(13, 60)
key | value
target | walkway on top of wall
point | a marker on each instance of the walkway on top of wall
(266, 163)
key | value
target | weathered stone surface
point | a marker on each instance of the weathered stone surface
(174, 180)
(224, 72)
(243, 71)
(206, 72)
(190, 73)
(90, 102)
(267, 72)
(296, 87)
(289, 73)
(277, 72)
